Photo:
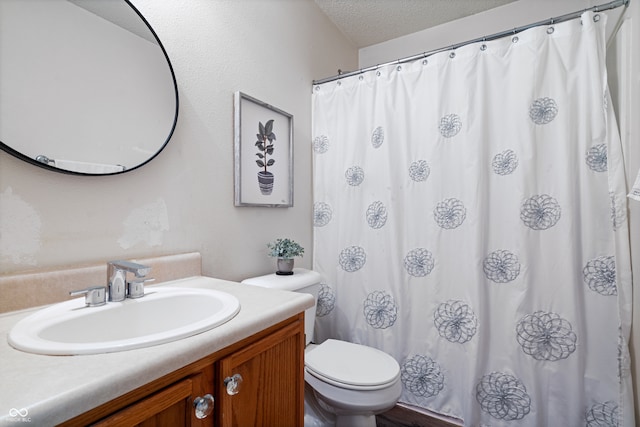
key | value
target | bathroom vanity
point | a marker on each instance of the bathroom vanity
(252, 367)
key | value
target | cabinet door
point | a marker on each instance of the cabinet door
(171, 406)
(272, 389)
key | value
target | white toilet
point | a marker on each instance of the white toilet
(346, 384)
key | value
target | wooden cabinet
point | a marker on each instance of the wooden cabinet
(271, 392)
(272, 389)
(171, 406)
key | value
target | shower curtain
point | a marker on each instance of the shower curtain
(470, 220)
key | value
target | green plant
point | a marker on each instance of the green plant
(285, 248)
(264, 143)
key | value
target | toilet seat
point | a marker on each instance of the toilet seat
(352, 366)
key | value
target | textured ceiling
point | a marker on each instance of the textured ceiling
(368, 22)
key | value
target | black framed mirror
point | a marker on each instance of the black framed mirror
(86, 86)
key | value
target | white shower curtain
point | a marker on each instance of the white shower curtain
(470, 220)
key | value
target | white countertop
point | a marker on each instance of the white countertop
(47, 390)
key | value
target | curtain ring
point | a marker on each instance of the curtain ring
(515, 38)
(550, 29)
(596, 17)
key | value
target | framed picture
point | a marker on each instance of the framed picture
(263, 154)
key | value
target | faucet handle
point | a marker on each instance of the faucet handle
(94, 296)
(138, 269)
(135, 288)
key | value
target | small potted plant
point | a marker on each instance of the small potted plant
(285, 250)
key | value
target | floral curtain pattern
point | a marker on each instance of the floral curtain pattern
(470, 220)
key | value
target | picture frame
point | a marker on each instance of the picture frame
(263, 153)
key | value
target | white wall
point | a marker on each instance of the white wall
(183, 200)
(623, 66)
(503, 18)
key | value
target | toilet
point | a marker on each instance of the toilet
(346, 384)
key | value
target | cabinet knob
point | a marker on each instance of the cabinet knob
(203, 406)
(233, 384)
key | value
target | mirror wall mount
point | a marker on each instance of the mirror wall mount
(101, 104)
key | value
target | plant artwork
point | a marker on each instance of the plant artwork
(251, 149)
(264, 143)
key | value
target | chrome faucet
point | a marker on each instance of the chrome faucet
(117, 284)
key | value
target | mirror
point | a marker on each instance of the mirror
(86, 87)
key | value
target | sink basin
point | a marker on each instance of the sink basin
(164, 314)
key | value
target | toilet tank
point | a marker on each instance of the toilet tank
(302, 280)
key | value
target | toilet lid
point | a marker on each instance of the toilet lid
(352, 364)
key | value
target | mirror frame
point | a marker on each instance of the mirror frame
(28, 159)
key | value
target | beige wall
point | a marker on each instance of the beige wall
(183, 200)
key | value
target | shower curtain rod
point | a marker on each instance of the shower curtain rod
(606, 6)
